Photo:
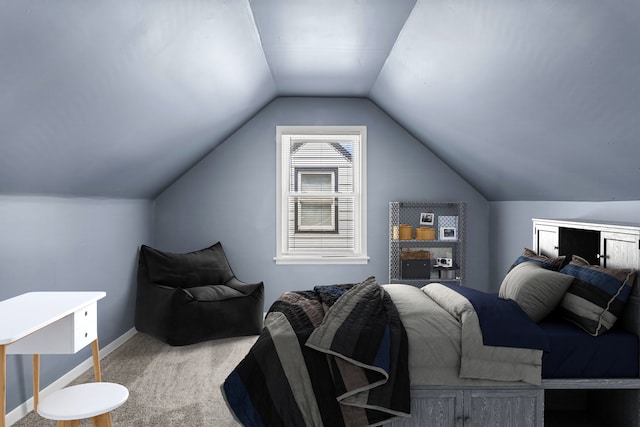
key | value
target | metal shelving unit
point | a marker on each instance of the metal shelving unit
(414, 261)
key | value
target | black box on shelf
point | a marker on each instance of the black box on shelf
(415, 268)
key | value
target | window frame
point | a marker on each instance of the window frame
(299, 172)
(357, 254)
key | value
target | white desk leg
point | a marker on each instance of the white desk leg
(95, 349)
(3, 384)
(36, 381)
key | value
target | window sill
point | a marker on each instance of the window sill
(318, 259)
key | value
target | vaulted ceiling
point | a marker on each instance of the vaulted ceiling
(526, 100)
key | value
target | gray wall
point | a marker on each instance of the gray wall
(512, 229)
(230, 196)
(52, 243)
(55, 244)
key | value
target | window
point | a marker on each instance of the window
(316, 215)
(321, 203)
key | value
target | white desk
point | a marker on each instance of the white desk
(46, 323)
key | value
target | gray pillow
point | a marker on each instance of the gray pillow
(535, 289)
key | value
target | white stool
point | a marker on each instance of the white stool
(91, 400)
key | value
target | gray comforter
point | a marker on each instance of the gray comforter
(446, 343)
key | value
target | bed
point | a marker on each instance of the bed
(366, 354)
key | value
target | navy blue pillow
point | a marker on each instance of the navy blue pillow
(553, 264)
(597, 296)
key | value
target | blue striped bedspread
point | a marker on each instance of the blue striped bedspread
(332, 356)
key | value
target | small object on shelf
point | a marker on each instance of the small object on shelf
(415, 268)
(446, 273)
(425, 233)
(448, 233)
(406, 232)
(415, 253)
(427, 218)
(444, 262)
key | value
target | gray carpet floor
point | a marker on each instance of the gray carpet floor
(168, 386)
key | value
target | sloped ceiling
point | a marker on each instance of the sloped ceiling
(118, 99)
(534, 100)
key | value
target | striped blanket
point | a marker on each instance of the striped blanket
(333, 356)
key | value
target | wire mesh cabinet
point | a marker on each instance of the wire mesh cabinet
(427, 242)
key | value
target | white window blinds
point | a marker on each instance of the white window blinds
(321, 183)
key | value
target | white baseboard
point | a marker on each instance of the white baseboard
(22, 410)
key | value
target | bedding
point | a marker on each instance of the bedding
(333, 356)
(342, 354)
(528, 255)
(447, 346)
(502, 321)
(574, 353)
(597, 295)
(535, 289)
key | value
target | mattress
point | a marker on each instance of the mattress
(573, 353)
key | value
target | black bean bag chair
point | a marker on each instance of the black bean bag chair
(193, 297)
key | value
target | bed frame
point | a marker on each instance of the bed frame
(557, 402)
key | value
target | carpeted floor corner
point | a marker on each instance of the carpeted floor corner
(168, 386)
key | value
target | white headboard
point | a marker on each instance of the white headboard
(619, 246)
(630, 319)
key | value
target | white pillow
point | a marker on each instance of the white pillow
(535, 289)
